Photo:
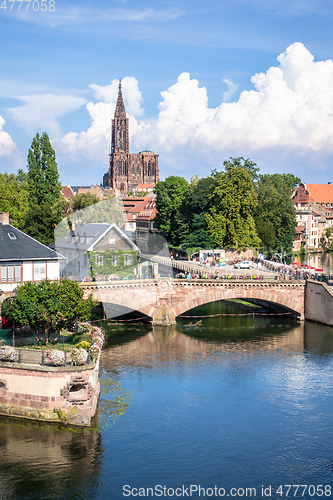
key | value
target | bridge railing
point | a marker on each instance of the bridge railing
(208, 280)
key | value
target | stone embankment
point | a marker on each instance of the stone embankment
(319, 302)
(61, 394)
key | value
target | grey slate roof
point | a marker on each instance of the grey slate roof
(22, 246)
(75, 189)
(86, 236)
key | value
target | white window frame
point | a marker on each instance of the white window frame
(40, 270)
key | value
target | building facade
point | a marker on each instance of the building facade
(89, 249)
(23, 258)
(127, 170)
(314, 214)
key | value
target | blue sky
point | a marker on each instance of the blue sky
(202, 81)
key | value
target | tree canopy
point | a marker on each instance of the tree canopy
(43, 175)
(44, 190)
(108, 211)
(83, 200)
(169, 197)
(275, 213)
(48, 305)
(233, 201)
(14, 197)
(191, 226)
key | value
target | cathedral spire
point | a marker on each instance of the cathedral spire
(119, 133)
(120, 106)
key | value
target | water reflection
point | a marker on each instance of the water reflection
(212, 405)
(169, 345)
(40, 460)
(319, 261)
(318, 339)
(236, 402)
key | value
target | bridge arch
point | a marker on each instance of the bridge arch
(293, 305)
(165, 299)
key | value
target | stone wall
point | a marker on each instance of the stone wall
(233, 256)
(166, 299)
(49, 393)
(319, 302)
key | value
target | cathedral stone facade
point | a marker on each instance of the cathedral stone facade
(127, 170)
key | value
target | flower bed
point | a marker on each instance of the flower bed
(55, 357)
(8, 353)
(95, 351)
(79, 356)
(96, 335)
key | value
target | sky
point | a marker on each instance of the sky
(202, 82)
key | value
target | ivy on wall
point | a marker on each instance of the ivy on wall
(112, 261)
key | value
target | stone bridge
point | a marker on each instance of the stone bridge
(164, 299)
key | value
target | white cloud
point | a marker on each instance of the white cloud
(291, 106)
(90, 17)
(290, 110)
(94, 143)
(41, 111)
(130, 91)
(292, 7)
(232, 88)
(7, 145)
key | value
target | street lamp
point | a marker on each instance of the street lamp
(282, 256)
(284, 265)
(14, 295)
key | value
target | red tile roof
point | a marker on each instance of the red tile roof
(67, 192)
(144, 187)
(302, 196)
(321, 193)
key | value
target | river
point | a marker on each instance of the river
(320, 261)
(231, 404)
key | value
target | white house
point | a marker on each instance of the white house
(23, 259)
(77, 245)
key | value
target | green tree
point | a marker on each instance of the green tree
(275, 210)
(14, 197)
(329, 238)
(248, 164)
(44, 190)
(40, 223)
(48, 305)
(233, 201)
(83, 200)
(266, 232)
(43, 175)
(169, 197)
(107, 211)
(191, 229)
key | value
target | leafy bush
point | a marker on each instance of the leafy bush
(83, 345)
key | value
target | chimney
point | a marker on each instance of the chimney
(4, 217)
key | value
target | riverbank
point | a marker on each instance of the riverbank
(67, 394)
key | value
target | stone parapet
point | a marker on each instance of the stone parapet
(319, 302)
(49, 393)
(164, 299)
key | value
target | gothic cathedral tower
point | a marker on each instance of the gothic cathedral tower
(127, 170)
